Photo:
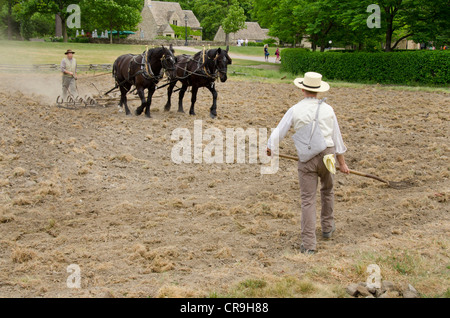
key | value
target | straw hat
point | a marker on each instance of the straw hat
(69, 51)
(312, 82)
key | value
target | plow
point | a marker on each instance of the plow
(101, 99)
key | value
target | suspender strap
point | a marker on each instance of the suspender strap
(316, 120)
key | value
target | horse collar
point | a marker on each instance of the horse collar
(148, 72)
(213, 76)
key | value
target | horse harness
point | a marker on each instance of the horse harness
(205, 68)
(146, 68)
(202, 67)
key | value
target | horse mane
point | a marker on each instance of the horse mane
(154, 50)
(200, 53)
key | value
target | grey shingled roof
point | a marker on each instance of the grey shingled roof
(165, 12)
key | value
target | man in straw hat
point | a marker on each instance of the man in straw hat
(322, 165)
(69, 70)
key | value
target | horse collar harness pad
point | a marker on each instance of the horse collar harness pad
(205, 65)
(146, 68)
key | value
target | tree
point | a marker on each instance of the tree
(320, 18)
(353, 20)
(345, 22)
(234, 21)
(55, 7)
(285, 25)
(9, 4)
(431, 22)
(263, 11)
(423, 20)
(211, 14)
(291, 20)
(113, 15)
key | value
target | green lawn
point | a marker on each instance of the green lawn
(25, 52)
(248, 50)
(21, 52)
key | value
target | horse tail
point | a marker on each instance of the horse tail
(116, 65)
(114, 69)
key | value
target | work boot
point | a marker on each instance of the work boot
(303, 250)
(328, 235)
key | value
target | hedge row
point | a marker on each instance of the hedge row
(403, 68)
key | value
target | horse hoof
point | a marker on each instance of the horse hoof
(181, 111)
(213, 116)
(192, 114)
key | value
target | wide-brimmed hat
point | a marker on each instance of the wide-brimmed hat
(69, 51)
(312, 82)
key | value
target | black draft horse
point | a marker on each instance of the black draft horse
(200, 70)
(143, 71)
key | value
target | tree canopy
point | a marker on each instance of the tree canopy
(345, 22)
(95, 14)
(322, 22)
(234, 21)
(213, 14)
(113, 14)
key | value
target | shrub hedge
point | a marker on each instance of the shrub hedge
(403, 68)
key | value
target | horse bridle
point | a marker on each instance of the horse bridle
(223, 71)
(165, 63)
(148, 72)
(201, 65)
(217, 69)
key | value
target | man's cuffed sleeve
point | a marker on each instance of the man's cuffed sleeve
(337, 138)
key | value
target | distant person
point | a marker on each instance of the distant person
(69, 70)
(277, 53)
(246, 42)
(266, 52)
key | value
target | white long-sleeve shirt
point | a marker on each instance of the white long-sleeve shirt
(301, 115)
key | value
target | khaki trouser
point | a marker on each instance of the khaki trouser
(309, 172)
(69, 87)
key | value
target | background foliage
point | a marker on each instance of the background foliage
(405, 67)
(324, 23)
